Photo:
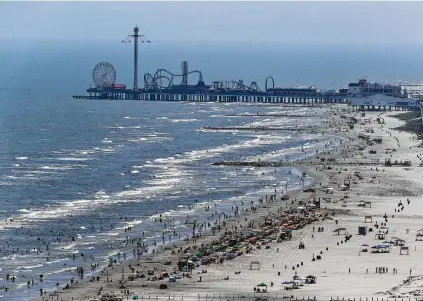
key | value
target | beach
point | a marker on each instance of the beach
(344, 269)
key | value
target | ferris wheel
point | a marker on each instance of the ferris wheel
(104, 75)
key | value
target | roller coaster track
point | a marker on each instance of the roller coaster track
(233, 85)
(164, 79)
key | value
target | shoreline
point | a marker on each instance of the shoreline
(349, 272)
(380, 186)
(206, 237)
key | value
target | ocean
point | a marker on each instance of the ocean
(75, 173)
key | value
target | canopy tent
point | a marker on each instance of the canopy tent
(255, 263)
(263, 285)
(288, 282)
(380, 249)
(339, 230)
(404, 251)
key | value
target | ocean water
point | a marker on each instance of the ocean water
(87, 169)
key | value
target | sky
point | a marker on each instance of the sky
(315, 22)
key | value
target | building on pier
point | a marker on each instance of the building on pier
(381, 102)
(364, 88)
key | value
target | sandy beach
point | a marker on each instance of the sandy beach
(381, 194)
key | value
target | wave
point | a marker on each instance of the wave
(21, 158)
(184, 120)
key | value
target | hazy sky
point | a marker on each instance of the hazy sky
(357, 22)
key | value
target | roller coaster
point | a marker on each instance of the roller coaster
(164, 80)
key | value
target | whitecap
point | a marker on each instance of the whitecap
(21, 158)
(23, 210)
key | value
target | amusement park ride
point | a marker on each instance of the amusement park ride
(165, 85)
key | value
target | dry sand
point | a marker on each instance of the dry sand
(343, 271)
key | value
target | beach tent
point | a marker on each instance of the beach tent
(262, 285)
(404, 251)
(255, 263)
(339, 230)
(289, 285)
(368, 219)
(380, 249)
(362, 230)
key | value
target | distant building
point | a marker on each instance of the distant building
(364, 88)
(354, 89)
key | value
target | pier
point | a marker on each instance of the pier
(210, 97)
(164, 85)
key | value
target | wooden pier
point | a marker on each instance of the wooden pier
(213, 97)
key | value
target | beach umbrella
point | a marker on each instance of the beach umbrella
(365, 245)
(286, 282)
(261, 284)
(135, 298)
